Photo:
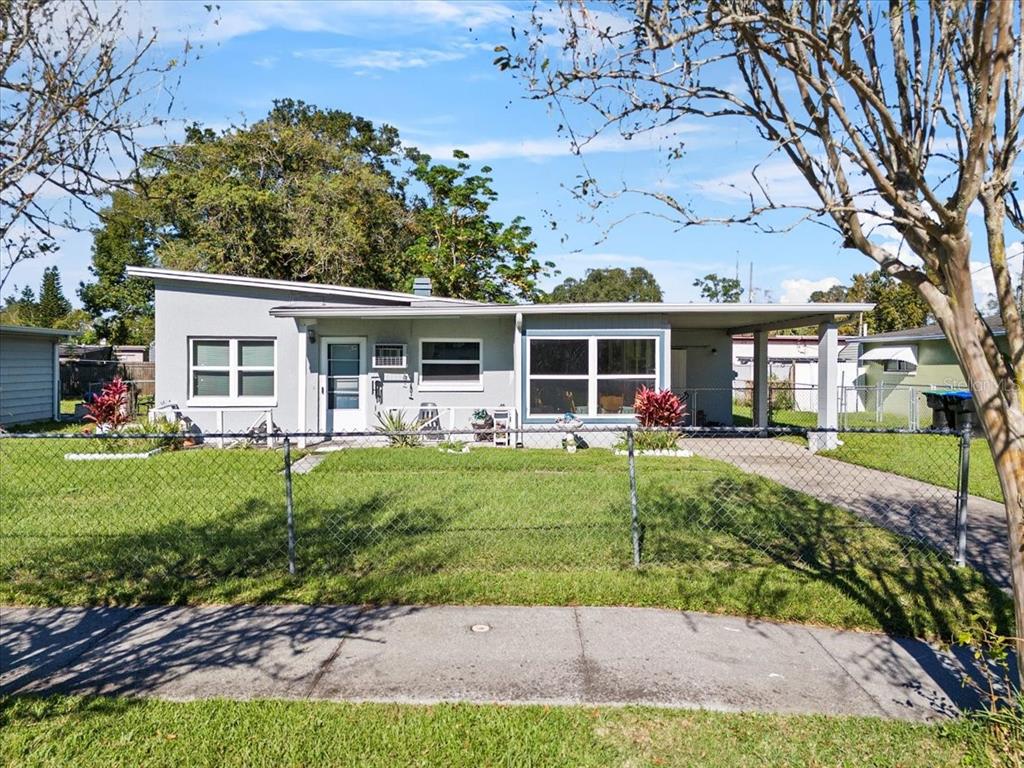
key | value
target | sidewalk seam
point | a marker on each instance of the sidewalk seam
(872, 698)
(327, 663)
(585, 672)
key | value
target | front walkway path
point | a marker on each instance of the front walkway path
(921, 511)
(550, 655)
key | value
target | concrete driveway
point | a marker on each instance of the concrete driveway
(923, 512)
(551, 655)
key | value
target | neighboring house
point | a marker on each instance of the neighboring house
(29, 374)
(328, 358)
(900, 365)
(793, 364)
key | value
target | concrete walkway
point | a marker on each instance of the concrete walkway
(921, 511)
(594, 656)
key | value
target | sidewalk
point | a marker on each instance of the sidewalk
(599, 656)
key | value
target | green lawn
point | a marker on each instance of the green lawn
(105, 732)
(931, 458)
(743, 417)
(492, 526)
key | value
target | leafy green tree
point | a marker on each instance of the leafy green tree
(52, 306)
(121, 306)
(720, 290)
(310, 195)
(613, 284)
(897, 305)
(19, 308)
(465, 252)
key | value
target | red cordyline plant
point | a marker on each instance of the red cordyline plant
(657, 408)
(109, 409)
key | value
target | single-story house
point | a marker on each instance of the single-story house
(899, 366)
(29, 373)
(328, 358)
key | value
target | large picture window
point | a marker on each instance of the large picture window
(232, 371)
(589, 375)
(451, 365)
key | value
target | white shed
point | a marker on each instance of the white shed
(29, 373)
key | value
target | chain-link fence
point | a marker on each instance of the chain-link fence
(150, 519)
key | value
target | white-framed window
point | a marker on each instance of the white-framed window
(451, 365)
(898, 366)
(232, 371)
(589, 375)
(389, 356)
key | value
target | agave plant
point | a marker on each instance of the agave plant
(401, 433)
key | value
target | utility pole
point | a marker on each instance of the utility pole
(750, 285)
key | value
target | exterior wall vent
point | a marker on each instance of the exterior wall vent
(421, 286)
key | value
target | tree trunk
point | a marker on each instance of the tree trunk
(1003, 425)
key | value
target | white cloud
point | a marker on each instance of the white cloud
(366, 18)
(799, 290)
(388, 60)
(985, 283)
(540, 148)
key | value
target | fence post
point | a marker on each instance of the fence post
(634, 513)
(962, 492)
(289, 511)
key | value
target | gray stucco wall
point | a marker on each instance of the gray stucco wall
(185, 311)
(26, 378)
(191, 310)
(709, 373)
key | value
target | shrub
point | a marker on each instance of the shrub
(109, 409)
(657, 408)
(781, 395)
(401, 433)
(648, 440)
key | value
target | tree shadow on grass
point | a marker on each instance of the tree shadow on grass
(742, 521)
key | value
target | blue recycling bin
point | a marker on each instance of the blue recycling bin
(951, 409)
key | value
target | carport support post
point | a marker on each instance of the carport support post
(760, 379)
(828, 390)
(633, 511)
(289, 511)
(962, 490)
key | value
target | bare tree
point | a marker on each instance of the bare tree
(899, 117)
(77, 83)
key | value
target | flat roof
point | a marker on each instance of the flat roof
(31, 330)
(737, 318)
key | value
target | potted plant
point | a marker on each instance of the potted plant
(482, 423)
(568, 423)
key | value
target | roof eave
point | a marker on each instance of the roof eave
(174, 275)
(766, 311)
(28, 330)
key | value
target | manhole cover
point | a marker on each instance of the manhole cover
(481, 628)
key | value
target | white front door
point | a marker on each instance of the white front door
(343, 384)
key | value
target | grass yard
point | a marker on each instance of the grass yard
(743, 416)
(413, 525)
(930, 458)
(104, 731)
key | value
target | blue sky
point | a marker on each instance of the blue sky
(426, 68)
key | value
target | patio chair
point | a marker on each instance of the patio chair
(429, 420)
